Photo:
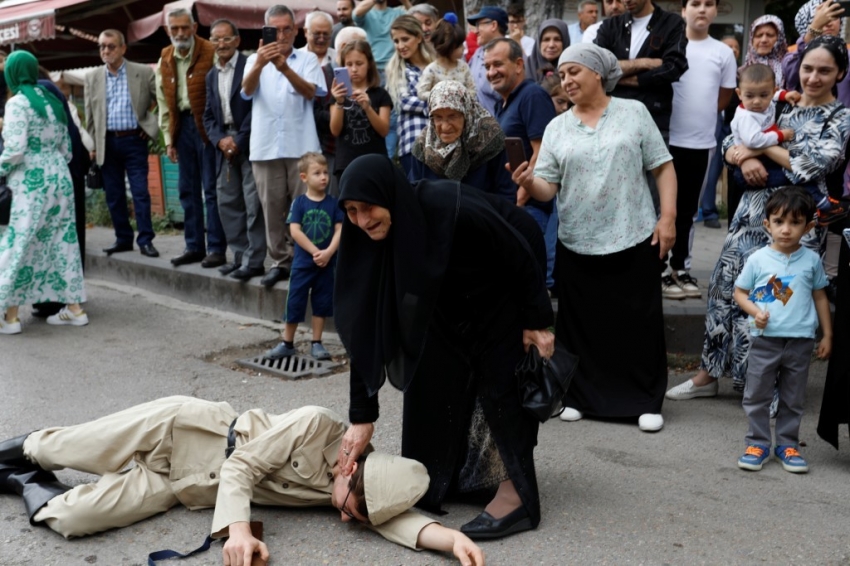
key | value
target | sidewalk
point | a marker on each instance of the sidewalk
(684, 320)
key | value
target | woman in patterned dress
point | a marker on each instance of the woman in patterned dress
(594, 157)
(39, 256)
(816, 154)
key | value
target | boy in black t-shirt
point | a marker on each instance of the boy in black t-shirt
(315, 222)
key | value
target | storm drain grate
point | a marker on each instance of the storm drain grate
(292, 367)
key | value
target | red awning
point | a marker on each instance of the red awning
(32, 20)
(246, 15)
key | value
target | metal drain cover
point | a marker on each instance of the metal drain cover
(292, 367)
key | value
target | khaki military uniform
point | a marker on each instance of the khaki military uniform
(153, 456)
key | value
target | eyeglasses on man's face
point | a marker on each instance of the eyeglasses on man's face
(106, 47)
(344, 501)
(228, 40)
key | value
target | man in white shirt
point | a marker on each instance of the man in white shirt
(588, 13)
(318, 27)
(282, 83)
(698, 95)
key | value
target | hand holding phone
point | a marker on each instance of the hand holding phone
(341, 75)
(515, 151)
(269, 35)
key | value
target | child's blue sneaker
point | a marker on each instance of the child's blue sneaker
(754, 457)
(792, 460)
(318, 352)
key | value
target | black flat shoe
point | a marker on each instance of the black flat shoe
(149, 251)
(214, 260)
(274, 275)
(228, 268)
(187, 257)
(118, 247)
(486, 527)
(246, 273)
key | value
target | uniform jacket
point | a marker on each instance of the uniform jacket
(140, 83)
(283, 460)
(239, 108)
(666, 41)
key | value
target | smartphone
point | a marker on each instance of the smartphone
(269, 35)
(845, 4)
(341, 76)
(515, 151)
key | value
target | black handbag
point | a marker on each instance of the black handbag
(94, 178)
(543, 383)
(5, 202)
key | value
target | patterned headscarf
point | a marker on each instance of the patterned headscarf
(806, 14)
(780, 48)
(481, 139)
(597, 59)
(21, 74)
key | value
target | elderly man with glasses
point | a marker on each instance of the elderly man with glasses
(282, 84)
(119, 97)
(318, 27)
(204, 454)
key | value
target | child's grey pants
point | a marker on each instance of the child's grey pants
(781, 362)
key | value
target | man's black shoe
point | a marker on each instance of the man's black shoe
(228, 268)
(274, 275)
(246, 273)
(149, 251)
(214, 260)
(118, 247)
(187, 257)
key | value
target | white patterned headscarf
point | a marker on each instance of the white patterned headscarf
(780, 48)
(806, 14)
(597, 59)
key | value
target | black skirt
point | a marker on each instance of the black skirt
(610, 315)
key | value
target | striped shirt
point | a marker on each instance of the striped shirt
(119, 108)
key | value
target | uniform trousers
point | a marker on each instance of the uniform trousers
(278, 183)
(124, 494)
(781, 363)
(240, 211)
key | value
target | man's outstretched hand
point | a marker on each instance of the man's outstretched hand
(240, 548)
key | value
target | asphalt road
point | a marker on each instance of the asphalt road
(611, 494)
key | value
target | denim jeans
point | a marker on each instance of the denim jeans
(550, 236)
(128, 154)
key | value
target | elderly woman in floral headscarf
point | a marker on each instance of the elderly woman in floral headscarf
(39, 256)
(767, 44)
(463, 142)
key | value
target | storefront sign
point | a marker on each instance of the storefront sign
(29, 28)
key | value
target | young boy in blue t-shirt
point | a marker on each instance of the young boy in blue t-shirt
(782, 288)
(315, 222)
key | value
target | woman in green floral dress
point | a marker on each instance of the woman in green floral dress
(39, 257)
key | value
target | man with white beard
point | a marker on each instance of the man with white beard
(181, 97)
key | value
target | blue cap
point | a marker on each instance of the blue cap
(490, 13)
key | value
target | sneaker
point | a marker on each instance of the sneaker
(13, 327)
(687, 284)
(669, 288)
(319, 353)
(650, 422)
(792, 460)
(568, 414)
(66, 318)
(833, 212)
(280, 351)
(754, 457)
(688, 390)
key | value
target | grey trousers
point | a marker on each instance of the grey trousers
(278, 183)
(241, 212)
(781, 363)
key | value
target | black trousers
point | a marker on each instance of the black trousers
(691, 167)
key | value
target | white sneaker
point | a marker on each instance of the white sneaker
(688, 390)
(570, 415)
(66, 318)
(649, 422)
(9, 327)
(687, 284)
(669, 288)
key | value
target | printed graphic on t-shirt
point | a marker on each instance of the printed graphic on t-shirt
(316, 225)
(358, 126)
(776, 289)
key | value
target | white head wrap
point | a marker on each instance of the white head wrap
(597, 59)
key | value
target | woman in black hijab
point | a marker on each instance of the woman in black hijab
(440, 287)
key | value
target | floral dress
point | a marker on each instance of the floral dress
(818, 149)
(39, 256)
